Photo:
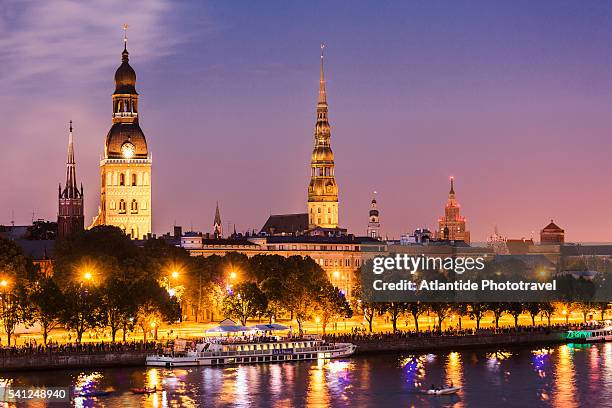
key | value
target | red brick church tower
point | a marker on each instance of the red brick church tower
(70, 215)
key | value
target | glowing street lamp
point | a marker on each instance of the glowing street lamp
(175, 274)
(3, 283)
(87, 276)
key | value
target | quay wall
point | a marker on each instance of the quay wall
(61, 361)
(375, 345)
(52, 361)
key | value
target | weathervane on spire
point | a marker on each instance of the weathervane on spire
(71, 126)
(322, 47)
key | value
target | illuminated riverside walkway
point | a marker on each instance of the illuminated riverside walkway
(94, 355)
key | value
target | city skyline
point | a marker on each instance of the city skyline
(200, 131)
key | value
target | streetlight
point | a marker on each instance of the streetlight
(87, 276)
(175, 274)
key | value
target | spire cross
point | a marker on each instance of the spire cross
(322, 47)
(71, 126)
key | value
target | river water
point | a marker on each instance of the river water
(563, 376)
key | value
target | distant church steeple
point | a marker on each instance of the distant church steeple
(323, 190)
(70, 209)
(217, 227)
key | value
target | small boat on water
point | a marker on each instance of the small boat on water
(442, 391)
(94, 393)
(594, 335)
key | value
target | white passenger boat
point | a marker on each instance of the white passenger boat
(603, 333)
(233, 350)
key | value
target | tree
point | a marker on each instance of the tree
(47, 301)
(533, 308)
(477, 311)
(498, 309)
(82, 309)
(246, 301)
(461, 309)
(586, 308)
(547, 310)
(155, 306)
(205, 288)
(441, 310)
(394, 309)
(416, 309)
(304, 283)
(515, 309)
(603, 307)
(332, 304)
(15, 273)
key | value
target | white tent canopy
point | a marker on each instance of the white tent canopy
(228, 326)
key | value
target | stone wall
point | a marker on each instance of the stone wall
(44, 361)
(453, 342)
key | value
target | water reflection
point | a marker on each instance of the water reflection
(564, 394)
(560, 376)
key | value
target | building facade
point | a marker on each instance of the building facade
(323, 190)
(125, 170)
(70, 217)
(452, 226)
(552, 234)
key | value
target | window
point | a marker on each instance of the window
(122, 208)
(133, 179)
(122, 179)
(329, 210)
(144, 205)
(319, 210)
(134, 206)
(134, 232)
(113, 206)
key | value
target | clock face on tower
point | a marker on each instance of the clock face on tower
(127, 150)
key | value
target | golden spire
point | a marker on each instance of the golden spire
(322, 93)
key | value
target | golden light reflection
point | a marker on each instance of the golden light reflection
(564, 395)
(454, 371)
(318, 394)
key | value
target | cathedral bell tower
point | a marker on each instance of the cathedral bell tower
(70, 210)
(323, 190)
(125, 170)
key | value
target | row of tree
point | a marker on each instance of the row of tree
(100, 279)
(476, 311)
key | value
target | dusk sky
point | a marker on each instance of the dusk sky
(512, 98)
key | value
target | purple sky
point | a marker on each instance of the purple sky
(514, 100)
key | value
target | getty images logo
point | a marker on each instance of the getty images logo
(409, 263)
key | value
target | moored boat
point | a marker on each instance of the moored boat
(442, 391)
(599, 334)
(245, 350)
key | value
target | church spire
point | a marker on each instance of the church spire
(217, 226)
(322, 93)
(452, 182)
(70, 189)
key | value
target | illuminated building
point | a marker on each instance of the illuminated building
(323, 190)
(374, 221)
(70, 209)
(125, 170)
(452, 225)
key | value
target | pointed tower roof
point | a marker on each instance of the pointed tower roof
(217, 215)
(322, 93)
(70, 189)
(452, 187)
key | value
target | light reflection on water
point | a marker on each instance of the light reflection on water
(561, 376)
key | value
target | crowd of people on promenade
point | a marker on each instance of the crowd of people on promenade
(76, 348)
(360, 335)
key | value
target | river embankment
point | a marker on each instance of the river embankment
(371, 344)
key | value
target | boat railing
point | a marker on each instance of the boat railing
(234, 353)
